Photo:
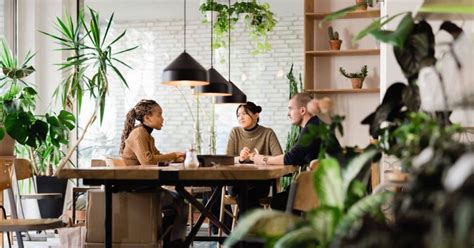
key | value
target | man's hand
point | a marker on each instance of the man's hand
(258, 159)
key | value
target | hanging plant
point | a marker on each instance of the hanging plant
(259, 22)
(257, 17)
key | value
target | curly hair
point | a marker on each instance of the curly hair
(137, 113)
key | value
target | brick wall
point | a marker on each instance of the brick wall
(261, 77)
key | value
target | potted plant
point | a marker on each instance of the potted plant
(334, 41)
(357, 78)
(18, 102)
(362, 5)
(92, 51)
(258, 19)
(39, 136)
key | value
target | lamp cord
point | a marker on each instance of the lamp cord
(184, 26)
(212, 34)
(229, 36)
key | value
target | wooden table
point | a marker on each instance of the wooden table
(116, 179)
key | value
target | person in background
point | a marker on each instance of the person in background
(299, 154)
(138, 148)
(250, 138)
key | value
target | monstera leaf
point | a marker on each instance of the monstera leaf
(388, 110)
(417, 51)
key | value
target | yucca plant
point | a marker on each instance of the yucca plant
(92, 51)
(342, 204)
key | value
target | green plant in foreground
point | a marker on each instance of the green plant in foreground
(342, 205)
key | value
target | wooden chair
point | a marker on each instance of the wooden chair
(20, 225)
(302, 196)
(115, 162)
(79, 190)
(227, 199)
(23, 171)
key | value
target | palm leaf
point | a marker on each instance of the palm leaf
(107, 29)
(338, 14)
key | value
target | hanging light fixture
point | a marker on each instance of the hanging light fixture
(218, 85)
(237, 95)
(185, 70)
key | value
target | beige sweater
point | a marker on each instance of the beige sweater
(261, 138)
(140, 149)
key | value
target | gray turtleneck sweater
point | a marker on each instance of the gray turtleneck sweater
(262, 138)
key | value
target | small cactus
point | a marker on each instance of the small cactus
(333, 35)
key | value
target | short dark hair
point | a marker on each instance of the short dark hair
(302, 99)
(249, 107)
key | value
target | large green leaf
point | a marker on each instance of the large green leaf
(2, 133)
(262, 223)
(338, 14)
(328, 184)
(364, 206)
(354, 167)
(302, 237)
(398, 37)
(324, 221)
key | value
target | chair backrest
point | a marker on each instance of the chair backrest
(22, 169)
(305, 197)
(98, 162)
(115, 162)
(5, 178)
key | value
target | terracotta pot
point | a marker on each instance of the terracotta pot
(363, 7)
(357, 82)
(335, 44)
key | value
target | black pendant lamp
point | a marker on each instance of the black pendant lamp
(218, 85)
(184, 70)
(237, 95)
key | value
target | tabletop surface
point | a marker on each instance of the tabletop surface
(143, 172)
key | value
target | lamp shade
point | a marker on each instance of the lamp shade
(185, 71)
(237, 96)
(218, 85)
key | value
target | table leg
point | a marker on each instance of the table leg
(74, 198)
(108, 216)
(204, 212)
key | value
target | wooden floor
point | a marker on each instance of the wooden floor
(53, 241)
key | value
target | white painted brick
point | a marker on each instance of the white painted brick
(160, 42)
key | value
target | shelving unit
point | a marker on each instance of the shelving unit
(321, 70)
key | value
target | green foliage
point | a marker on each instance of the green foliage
(92, 51)
(294, 88)
(40, 135)
(362, 74)
(323, 224)
(258, 19)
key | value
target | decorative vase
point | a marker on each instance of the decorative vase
(335, 44)
(357, 82)
(363, 6)
(191, 160)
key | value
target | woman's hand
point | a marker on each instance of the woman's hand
(179, 157)
(244, 154)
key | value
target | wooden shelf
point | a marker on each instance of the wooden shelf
(351, 52)
(343, 91)
(351, 15)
